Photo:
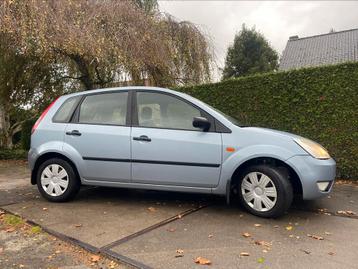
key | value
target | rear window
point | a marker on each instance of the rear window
(64, 113)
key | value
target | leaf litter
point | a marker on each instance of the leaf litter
(202, 261)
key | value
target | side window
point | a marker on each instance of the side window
(64, 113)
(165, 111)
(105, 108)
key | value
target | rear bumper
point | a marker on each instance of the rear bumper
(32, 157)
(311, 171)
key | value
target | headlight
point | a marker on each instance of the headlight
(313, 148)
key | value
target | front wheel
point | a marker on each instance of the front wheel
(57, 181)
(265, 191)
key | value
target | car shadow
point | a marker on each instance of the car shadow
(108, 194)
(116, 195)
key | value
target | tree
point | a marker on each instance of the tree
(23, 80)
(251, 53)
(98, 42)
(149, 6)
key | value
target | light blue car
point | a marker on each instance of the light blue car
(159, 139)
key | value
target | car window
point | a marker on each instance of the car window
(105, 108)
(65, 111)
(164, 111)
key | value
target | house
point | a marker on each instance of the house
(324, 49)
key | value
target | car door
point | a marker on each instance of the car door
(100, 134)
(167, 149)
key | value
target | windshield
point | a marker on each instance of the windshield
(229, 118)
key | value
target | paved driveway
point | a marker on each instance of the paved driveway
(150, 229)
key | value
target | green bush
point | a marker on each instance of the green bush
(26, 133)
(13, 154)
(319, 103)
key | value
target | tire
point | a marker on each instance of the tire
(66, 180)
(277, 182)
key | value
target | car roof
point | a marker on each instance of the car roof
(127, 88)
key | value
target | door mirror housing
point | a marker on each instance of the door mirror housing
(202, 123)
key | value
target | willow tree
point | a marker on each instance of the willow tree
(98, 42)
(23, 80)
(149, 6)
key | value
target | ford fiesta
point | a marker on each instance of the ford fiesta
(154, 138)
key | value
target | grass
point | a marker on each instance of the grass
(12, 220)
(9, 220)
(35, 230)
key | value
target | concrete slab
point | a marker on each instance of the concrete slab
(215, 233)
(13, 174)
(18, 195)
(22, 250)
(344, 197)
(99, 216)
(15, 182)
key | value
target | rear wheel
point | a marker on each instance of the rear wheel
(265, 191)
(57, 181)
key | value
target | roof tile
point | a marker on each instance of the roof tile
(331, 48)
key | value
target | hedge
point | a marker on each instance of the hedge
(13, 154)
(319, 103)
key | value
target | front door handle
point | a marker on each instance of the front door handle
(74, 133)
(142, 138)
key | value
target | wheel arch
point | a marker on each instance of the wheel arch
(271, 161)
(49, 155)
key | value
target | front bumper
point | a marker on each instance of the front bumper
(311, 171)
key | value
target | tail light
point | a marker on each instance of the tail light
(42, 116)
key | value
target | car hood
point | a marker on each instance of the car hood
(271, 132)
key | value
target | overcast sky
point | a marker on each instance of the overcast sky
(275, 19)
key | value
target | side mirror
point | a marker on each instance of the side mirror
(202, 123)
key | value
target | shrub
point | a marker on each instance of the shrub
(319, 103)
(26, 133)
(13, 154)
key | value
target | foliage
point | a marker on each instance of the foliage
(13, 154)
(26, 133)
(100, 43)
(25, 81)
(12, 220)
(251, 53)
(149, 6)
(319, 103)
(35, 230)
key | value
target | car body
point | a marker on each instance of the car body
(144, 137)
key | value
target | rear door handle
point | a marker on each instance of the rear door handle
(74, 132)
(142, 138)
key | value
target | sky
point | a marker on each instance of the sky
(277, 20)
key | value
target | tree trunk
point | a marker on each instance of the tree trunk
(6, 136)
(7, 141)
(2, 125)
(85, 78)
